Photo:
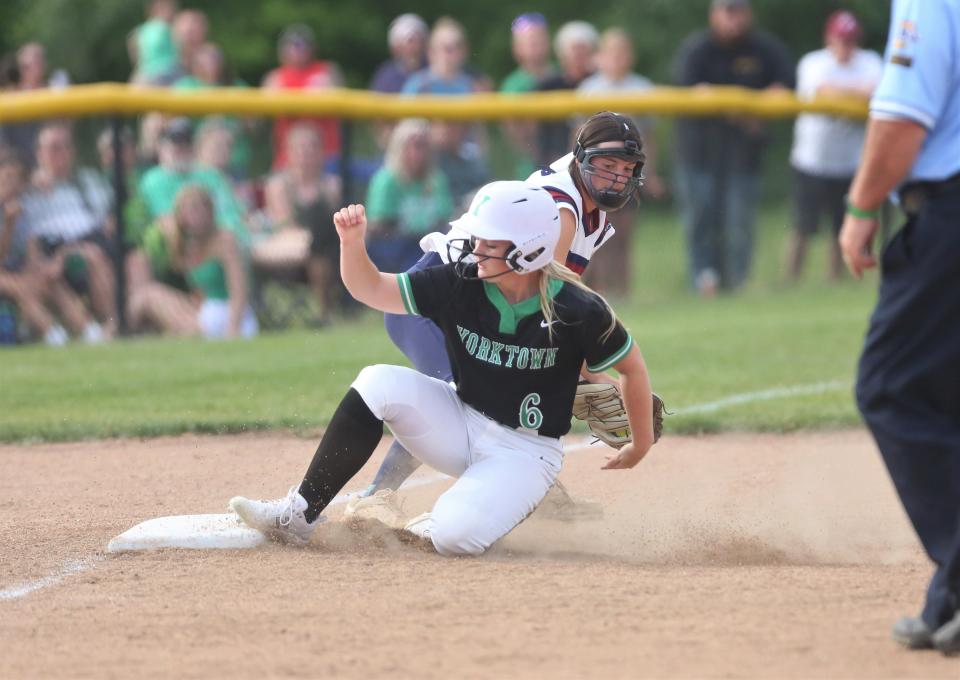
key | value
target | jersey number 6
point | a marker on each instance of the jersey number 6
(530, 416)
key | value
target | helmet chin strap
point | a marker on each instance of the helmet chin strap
(466, 250)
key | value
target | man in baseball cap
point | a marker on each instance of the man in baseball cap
(826, 148)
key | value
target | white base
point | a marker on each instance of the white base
(199, 532)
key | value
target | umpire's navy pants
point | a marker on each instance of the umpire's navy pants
(908, 387)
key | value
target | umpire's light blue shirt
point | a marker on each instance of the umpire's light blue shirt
(921, 81)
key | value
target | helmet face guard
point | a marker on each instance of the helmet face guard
(610, 198)
(460, 251)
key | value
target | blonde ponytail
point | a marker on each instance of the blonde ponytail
(557, 271)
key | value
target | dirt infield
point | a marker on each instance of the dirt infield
(728, 556)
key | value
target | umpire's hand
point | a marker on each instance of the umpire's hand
(856, 243)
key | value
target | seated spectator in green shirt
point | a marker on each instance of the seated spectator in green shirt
(212, 299)
(408, 198)
(160, 185)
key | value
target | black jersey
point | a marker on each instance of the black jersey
(505, 363)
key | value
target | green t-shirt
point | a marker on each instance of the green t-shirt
(519, 81)
(159, 188)
(210, 277)
(418, 207)
(156, 50)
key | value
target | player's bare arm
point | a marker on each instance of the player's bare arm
(360, 276)
(568, 229)
(638, 402)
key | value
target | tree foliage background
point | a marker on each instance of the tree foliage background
(87, 37)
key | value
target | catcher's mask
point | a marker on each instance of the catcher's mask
(609, 127)
(523, 214)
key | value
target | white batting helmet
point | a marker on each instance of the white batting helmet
(518, 212)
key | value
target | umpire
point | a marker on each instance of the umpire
(908, 386)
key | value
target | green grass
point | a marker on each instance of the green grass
(697, 351)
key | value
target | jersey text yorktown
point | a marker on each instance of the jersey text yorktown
(484, 349)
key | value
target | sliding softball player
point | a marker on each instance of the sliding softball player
(603, 173)
(518, 327)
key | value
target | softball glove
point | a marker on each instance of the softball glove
(600, 406)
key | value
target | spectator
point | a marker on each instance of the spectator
(719, 158)
(32, 67)
(299, 70)
(152, 47)
(68, 210)
(300, 202)
(30, 73)
(826, 149)
(213, 151)
(211, 262)
(530, 42)
(407, 198)
(190, 28)
(407, 39)
(574, 44)
(530, 39)
(446, 56)
(35, 288)
(460, 160)
(176, 169)
(208, 69)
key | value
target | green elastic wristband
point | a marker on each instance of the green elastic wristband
(861, 213)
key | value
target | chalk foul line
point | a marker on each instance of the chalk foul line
(765, 395)
(69, 568)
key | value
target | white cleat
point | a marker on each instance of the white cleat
(382, 506)
(421, 525)
(280, 519)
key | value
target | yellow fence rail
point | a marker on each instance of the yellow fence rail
(115, 98)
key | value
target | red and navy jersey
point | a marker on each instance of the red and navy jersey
(506, 362)
(593, 228)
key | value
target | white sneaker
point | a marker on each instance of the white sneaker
(93, 333)
(382, 506)
(56, 336)
(558, 505)
(280, 519)
(421, 525)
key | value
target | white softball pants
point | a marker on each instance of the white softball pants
(502, 473)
